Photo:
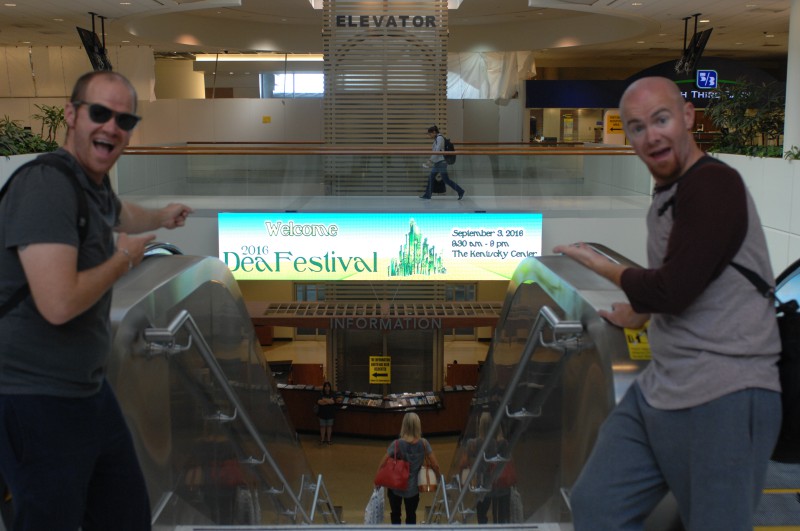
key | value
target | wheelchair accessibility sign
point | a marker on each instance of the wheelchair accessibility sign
(706, 79)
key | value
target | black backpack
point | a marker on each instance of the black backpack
(449, 146)
(787, 449)
(48, 159)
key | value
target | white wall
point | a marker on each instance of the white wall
(299, 120)
(231, 120)
(177, 80)
(551, 123)
(775, 187)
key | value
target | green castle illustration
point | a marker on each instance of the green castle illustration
(415, 257)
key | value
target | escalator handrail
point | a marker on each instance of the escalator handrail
(161, 248)
(546, 316)
(184, 319)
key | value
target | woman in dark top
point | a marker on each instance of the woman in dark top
(413, 448)
(326, 409)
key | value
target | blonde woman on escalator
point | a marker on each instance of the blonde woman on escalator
(412, 447)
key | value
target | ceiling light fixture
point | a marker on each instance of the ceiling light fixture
(242, 57)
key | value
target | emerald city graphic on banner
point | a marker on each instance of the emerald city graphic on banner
(377, 246)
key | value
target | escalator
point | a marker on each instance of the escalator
(218, 452)
(209, 424)
(554, 371)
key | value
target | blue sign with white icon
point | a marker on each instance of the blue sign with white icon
(706, 79)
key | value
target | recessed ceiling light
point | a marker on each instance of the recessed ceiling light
(125, 41)
(739, 43)
(639, 42)
(58, 20)
(636, 4)
(10, 5)
(124, 3)
(704, 21)
(769, 35)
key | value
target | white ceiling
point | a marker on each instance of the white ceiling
(560, 32)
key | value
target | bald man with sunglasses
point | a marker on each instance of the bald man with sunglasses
(65, 450)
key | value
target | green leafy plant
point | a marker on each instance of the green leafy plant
(792, 154)
(18, 140)
(52, 117)
(750, 117)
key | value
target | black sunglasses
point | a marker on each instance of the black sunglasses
(101, 114)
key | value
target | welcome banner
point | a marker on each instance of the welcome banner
(377, 246)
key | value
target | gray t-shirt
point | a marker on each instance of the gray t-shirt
(36, 357)
(415, 455)
(711, 333)
(438, 145)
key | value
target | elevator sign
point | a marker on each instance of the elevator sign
(380, 369)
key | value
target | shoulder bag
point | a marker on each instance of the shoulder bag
(426, 478)
(394, 472)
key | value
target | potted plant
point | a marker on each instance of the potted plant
(23, 144)
(15, 139)
(750, 118)
(52, 117)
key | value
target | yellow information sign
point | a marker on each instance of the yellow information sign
(638, 345)
(614, 124)
(380, 369)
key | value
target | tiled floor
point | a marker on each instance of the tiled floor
(348, 467)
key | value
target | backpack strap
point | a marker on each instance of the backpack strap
(52, 160)
(755, 279)
(705, 159)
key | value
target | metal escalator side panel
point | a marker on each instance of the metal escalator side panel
(569, 387)
(196, 452)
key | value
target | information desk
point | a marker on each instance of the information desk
(448, 416)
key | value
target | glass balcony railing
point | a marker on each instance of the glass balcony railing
(315, 170)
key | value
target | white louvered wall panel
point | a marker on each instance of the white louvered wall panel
(385, 84)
